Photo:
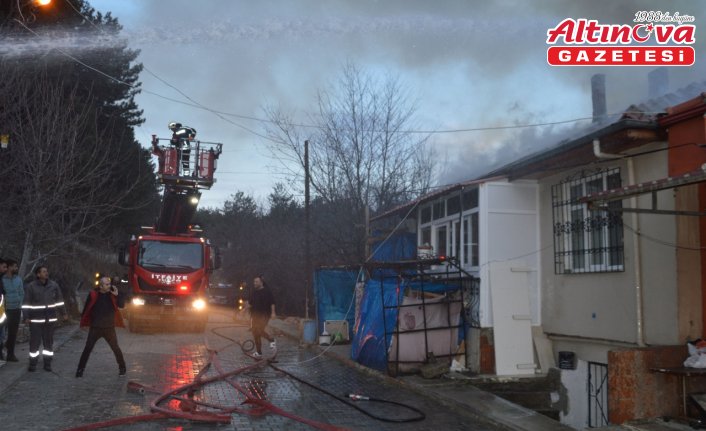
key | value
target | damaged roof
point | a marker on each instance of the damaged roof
(636, 126)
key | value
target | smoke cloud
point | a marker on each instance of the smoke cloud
(468, 63)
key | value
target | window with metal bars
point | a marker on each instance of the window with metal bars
(587, 241)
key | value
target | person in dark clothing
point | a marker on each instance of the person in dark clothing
(42, 302)
(101, 313)
(3, 315)
(14, 292)
(262, 307)
(182, 136)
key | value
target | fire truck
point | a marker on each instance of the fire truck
(170, 263)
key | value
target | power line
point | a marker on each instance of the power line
(136, 87)
(221, 114)
(660, 241)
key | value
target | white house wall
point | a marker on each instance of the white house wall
(602, 306)
(508, 226)
(659, 258)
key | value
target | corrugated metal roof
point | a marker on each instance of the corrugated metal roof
(567, 146)
(642, 116)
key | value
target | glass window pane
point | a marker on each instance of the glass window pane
(174, 257)
(466, 241)
(439, 210)
(426, 236)
(453, 205)
(594, 186)
(613, 181)
(576, 191)
(597, 231)
(615, 234)
(577, 239)
(457, 240)
(441, 241)
(426, 214)
(470, 199)
(474, 239)
(586, 241)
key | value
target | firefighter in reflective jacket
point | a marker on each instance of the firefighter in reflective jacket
(42, 303)
(3, 317)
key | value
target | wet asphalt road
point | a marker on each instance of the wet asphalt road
(58, 400)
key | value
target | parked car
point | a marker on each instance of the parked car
(223, 293)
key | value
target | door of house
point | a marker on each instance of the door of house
(597, 394)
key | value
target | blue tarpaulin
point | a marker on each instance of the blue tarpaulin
(369, 345)
(334, 290)
(398, 247)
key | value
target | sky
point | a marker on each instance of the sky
(467, 63)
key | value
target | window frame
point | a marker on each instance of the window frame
(587, 242)
(456, 244)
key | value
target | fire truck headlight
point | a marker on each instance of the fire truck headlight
(138, 301)
(199, 304)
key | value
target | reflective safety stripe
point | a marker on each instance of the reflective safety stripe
(47, 353)
(34, 354)
(42, 307)
(2, 318)
(37, 321)
(53, 320)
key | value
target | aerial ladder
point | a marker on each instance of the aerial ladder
(170, 264)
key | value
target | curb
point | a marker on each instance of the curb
(483, 405)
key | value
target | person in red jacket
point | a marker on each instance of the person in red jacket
(101, 314)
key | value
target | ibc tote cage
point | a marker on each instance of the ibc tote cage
(463, 288)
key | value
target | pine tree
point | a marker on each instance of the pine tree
(98, 84)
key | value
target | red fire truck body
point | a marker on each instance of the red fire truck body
(170, 264)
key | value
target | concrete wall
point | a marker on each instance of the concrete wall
(575, 410)
(659, 254)
(602, 306)
(576, 304)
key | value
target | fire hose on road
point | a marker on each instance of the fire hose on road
(189, 408)
(346, 399)
(195, 410)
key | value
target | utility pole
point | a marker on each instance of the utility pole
(307, 230)
(367, 232)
